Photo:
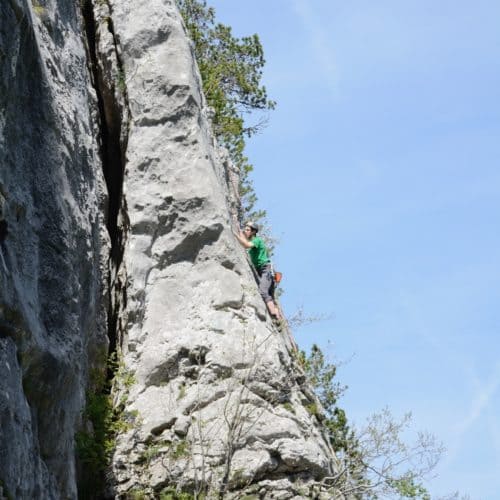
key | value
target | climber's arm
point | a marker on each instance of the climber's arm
(243, 241)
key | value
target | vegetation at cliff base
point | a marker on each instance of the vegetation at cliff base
(374, 460)
(231, 72)
(105, 418)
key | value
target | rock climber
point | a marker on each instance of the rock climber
(260, 260)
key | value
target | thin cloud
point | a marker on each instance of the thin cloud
(484, 390)
(482, 399)
(495, 434)
(319, 41)
(483, 396)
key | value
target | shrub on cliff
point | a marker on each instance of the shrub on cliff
(231, 71)
(375, 461)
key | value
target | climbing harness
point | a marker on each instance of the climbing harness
(277, 277)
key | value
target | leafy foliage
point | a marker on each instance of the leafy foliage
(173, 494)
(374, 461)
(320, 375)
(105, 419)
(38, 9)
(4, 494)
(231, 71)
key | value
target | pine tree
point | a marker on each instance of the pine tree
(231, 72)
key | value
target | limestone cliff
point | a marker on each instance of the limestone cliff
(53, 267)
(118, 206)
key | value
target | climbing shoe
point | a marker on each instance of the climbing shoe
(278, 323)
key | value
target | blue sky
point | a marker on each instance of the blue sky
(380, 174)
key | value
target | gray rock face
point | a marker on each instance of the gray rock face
(216, 395)
(52, 307)
(117, 212)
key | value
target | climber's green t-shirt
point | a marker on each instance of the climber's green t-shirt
(258, 253)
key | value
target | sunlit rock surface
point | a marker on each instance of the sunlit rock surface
(216, 399)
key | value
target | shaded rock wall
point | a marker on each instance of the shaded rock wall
(52, 287)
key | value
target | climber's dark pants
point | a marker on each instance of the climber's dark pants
(266, 282)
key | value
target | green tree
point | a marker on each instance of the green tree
(231, 72)
(321, 376)
(374, 461)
